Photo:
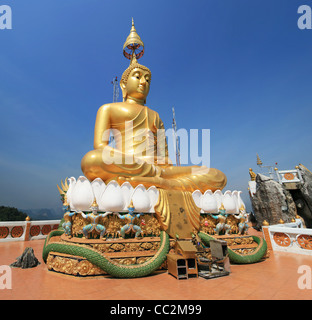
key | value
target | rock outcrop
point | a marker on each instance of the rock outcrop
(304, 201)
(26, 260)
(272, 202)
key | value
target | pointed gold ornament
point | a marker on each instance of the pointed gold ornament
(131, 206)
(133, 48)
(259, 162)
(265, 223)
(94, 204)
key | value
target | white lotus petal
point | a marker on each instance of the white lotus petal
(197, 198)
(82, 195)
(71, 186)
(141, 200)
(98, 187)
(209, 202)
(235, 198)
(240, 200)
(228, 202)
(112, 198)
(153, 195)
(126, 190)
(219, 197)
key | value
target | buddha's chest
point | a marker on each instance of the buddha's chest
(134, 119)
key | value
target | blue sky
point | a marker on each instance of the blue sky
(239, 68)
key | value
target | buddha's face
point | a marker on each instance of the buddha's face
(138, 84)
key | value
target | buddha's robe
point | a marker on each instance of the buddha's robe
(141, 152)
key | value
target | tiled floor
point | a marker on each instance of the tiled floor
(274, 278)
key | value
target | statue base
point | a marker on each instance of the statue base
(124, 252)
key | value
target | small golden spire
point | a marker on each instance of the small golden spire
(265, 223)
(134, 46)
(27, 218)
(131, 205)
(259, 162)
(94, 204)
(222, 207)
(242, 207)
(281, 221)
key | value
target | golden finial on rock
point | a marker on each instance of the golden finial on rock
(252, 174)
(265, 223)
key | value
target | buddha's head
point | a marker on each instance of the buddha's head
(135, 82)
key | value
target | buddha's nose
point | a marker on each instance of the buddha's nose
(143, 81)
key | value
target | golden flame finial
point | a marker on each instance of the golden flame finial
(65, 203)
(259, 162)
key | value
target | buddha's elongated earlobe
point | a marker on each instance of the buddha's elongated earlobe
(123, 90)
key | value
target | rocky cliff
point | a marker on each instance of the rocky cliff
(272, 202)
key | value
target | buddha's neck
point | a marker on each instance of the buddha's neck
(135, 101)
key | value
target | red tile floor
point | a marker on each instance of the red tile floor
(273, 279)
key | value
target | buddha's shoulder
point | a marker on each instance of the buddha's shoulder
(110, 106)
(153, 112)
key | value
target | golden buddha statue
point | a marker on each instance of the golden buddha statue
(138, 132)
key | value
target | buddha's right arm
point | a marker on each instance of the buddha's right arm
(102, 127)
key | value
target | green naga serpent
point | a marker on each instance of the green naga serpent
(104, 263)
(254, 257)
(134, 271)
